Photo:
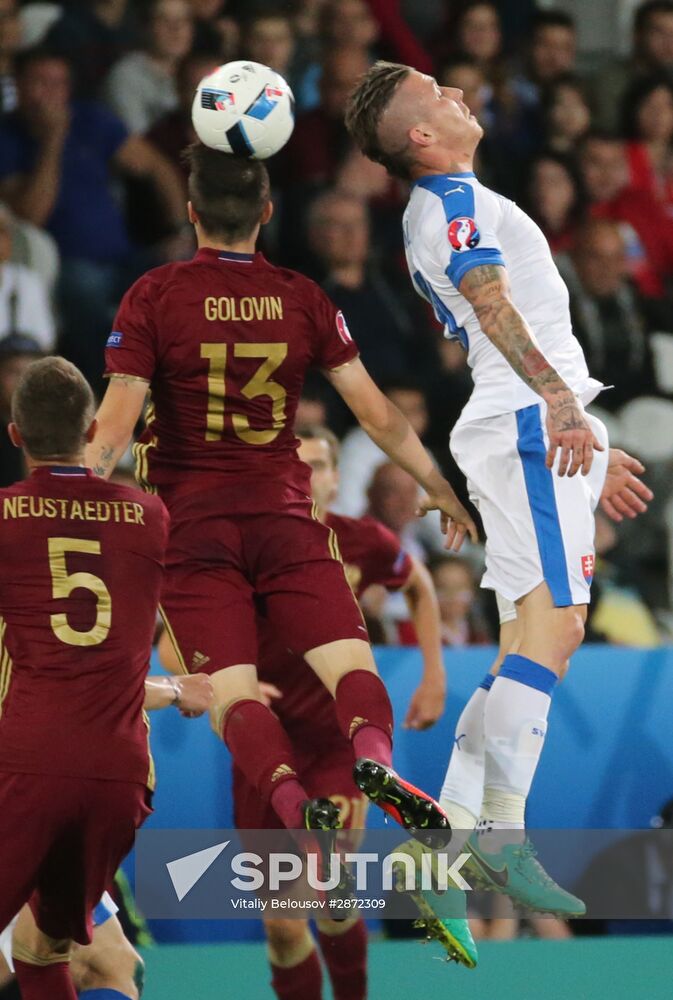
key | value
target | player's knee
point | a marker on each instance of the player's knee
(115, 966)
(573, 635)
(286, 939)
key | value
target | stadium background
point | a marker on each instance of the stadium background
(577, 102)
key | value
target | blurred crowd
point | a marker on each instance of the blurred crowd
(95, 100)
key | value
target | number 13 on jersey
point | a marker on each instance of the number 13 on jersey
(261, 384)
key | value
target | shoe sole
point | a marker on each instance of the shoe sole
(408, 805)
(436, 931)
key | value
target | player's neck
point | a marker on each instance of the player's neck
(74, 462)
(210, 242)
(444, 163)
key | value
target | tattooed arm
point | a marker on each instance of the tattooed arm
(117, 416)
(487, 289)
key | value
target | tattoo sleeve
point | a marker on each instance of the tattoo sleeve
(104, 462)
(487, 290)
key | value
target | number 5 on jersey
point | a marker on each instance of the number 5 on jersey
(261, 384)
(63, 584)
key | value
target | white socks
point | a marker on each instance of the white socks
(463, 787)
(499, 739)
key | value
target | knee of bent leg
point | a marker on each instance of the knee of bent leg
(116, 965)
(286, 939)
(572, 634)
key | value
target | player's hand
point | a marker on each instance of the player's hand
(269, 693)
(455, 521)
(427, 704)
(196, 695)
(569, 430)
(624, 494)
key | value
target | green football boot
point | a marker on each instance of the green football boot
(515, 871)
(443, 915)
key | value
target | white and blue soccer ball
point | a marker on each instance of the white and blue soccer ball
(244, 108)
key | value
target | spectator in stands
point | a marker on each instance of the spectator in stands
(646, 230)
(342, 24)
(618, 613)
(607, 316)
(24, 305)
(359, 459)
(551, 54)
(172, 133)
(397, 36)
(16, 353)
(338, 233)
(268, 38)
(142, 86)
(92, 37)
(566, 116)
(554, 199)
(455, 586)
(647, 123)
(318, 147)
(652, 54)
(55, 161)
(215, 33)
(10, 39)
(475, 31)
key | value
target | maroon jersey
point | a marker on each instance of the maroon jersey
(225, 341)
(371, 554)
(81, 564)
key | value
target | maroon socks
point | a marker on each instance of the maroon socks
(345, 956)
(366, 715)
(45, 982)
(262, 751)
(299, 982)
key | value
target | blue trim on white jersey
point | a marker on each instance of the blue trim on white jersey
(442, 312)
(426, 181)
(542, 499)
(463, 262)
(524, 671)
(458, 202)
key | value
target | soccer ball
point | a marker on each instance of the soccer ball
(244, 108)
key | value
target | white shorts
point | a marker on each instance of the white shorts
(539, 525)
(104, 910)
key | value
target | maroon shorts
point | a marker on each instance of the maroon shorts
(328, 774)
(61, 842)
(221, 571)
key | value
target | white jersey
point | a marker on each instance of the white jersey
(452, 224)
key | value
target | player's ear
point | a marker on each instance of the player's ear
(422, 135)
(267, 214)
(91, 432)
(14, 435)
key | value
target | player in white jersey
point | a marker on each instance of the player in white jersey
(524, 435)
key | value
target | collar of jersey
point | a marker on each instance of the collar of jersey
(228, 256)
(62, 470)
(427, 179)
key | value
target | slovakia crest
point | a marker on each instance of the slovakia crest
(588, 567)
(463, 234)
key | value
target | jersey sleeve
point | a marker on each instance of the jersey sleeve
(390, 564)
(131, 348)
(334, 345)
(467, 223)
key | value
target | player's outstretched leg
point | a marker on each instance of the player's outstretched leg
(257, 741)
(365, 715)
(344, 948)
(515, 725)
(41, 963)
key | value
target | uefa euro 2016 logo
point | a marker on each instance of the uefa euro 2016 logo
(463, 234)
